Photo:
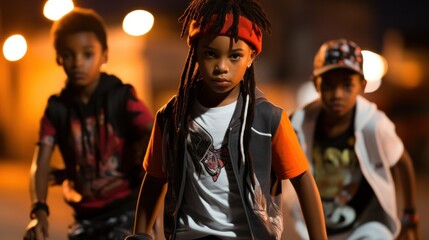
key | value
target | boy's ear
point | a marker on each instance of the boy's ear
(316, 82)
(252, 57)
(363, 82)
(105, 56)
(250, 63)
(58, 60)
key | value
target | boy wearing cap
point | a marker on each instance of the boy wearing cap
(353, 149)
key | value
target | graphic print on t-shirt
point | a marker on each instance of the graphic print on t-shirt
(201, 147)
(213, 163)
(343, 189)
(337, 179)
(97, 176)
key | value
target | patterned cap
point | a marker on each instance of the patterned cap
(340, 53)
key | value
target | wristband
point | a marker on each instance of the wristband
(410, 218)
(38, 206)
(409, 211)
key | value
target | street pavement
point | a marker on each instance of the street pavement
(15, 203)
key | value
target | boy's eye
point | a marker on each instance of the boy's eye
(210, 54)
(88, 54)
(325, 82)
(235, 56)
(66, 55)
(348, 84)
(327, 86)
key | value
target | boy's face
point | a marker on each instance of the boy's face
(81, 58)
(338, 90)
(222, 62)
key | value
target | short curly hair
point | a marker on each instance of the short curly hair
(79, 20)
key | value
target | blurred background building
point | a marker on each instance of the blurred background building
(397, 30)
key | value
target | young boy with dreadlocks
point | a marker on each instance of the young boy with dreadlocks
(219, 149)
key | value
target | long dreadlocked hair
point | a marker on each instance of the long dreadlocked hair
(202, 11)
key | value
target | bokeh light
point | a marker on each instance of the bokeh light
(374, 65)
(55, 9)
(15, 47)
(374, 68)
(138, 22)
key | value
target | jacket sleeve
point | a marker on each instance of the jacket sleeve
(390, 145)
(153, 159)
(138, 113)
(289, 160)
(47, 130)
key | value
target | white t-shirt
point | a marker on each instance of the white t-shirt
(211, 204)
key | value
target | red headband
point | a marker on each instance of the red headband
(247, 31)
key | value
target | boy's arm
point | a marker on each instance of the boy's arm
(153, 188)
(405, 176)
(39, 177)
(141, 121)
(139, 114)
(311, 205)
(150, 200)
(39, 172)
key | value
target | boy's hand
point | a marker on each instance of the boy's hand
(409, 225)
(408, 233)
(37, 229)
(141, 236)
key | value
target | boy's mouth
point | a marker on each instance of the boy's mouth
(220, 81)
(78, 75)
(336, 106)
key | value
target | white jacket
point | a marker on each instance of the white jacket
(377, 148)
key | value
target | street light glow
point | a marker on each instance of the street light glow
(374, 65)
(14, 48)
(138, 22)
(374, 68)
(55, 9)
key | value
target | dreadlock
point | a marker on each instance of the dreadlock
(202, 11)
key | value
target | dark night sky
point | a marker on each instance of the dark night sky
(24, 15)
(410, 16)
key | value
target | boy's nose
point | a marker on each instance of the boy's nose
(221, 67)
(77, 60)
(338, 91)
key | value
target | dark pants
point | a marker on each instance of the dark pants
(109, 228)
(113, 222)
(208, 238)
